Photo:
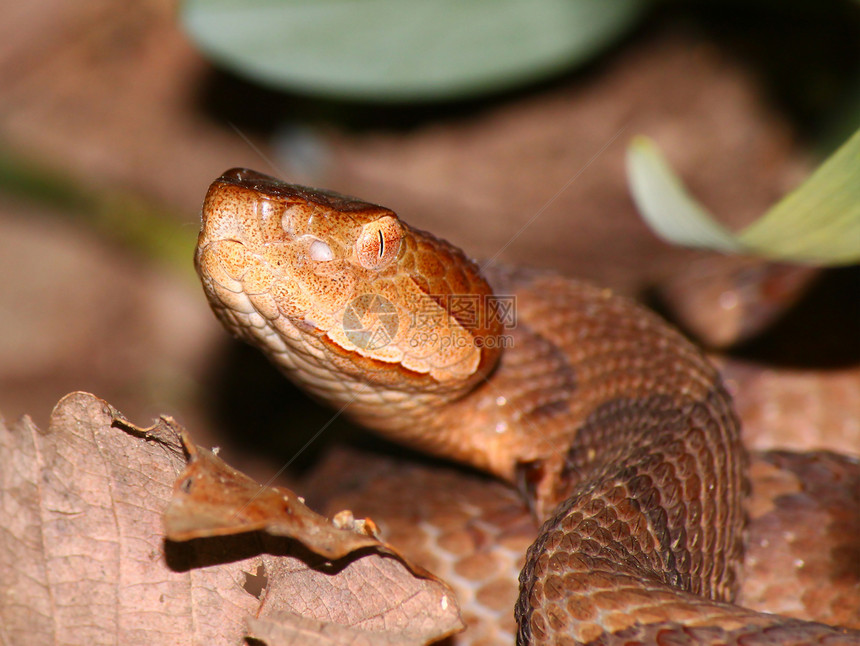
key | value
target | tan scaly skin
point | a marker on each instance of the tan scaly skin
(618, 428)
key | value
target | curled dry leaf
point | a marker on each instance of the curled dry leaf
(378, 595)
(83, 557)
(211, 498)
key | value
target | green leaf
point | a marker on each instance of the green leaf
(817, 223)
(663, 201)
(399, 50)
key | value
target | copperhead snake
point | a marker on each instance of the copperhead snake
(617, 428)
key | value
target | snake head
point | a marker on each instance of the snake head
(324, 280)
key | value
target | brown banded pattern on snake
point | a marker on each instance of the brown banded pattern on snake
(618, 428)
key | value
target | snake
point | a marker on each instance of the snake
(617, 429)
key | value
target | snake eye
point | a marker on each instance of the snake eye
(379, 243)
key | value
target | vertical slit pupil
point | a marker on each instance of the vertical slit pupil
(381, 243)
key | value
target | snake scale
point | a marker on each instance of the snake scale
(616, 428)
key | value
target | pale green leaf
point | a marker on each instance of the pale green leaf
(817, 223)
(667, 207)
(396, 50)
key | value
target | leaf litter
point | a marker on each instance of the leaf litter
(112, 533)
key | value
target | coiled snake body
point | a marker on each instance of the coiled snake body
(615, 426)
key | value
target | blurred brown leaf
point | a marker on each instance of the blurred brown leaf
(722, 301)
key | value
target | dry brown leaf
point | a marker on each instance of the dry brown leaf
(83, 558)
(376, 591)
(365, 601)
(211, 498)
(81, 546)
(288, 629)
